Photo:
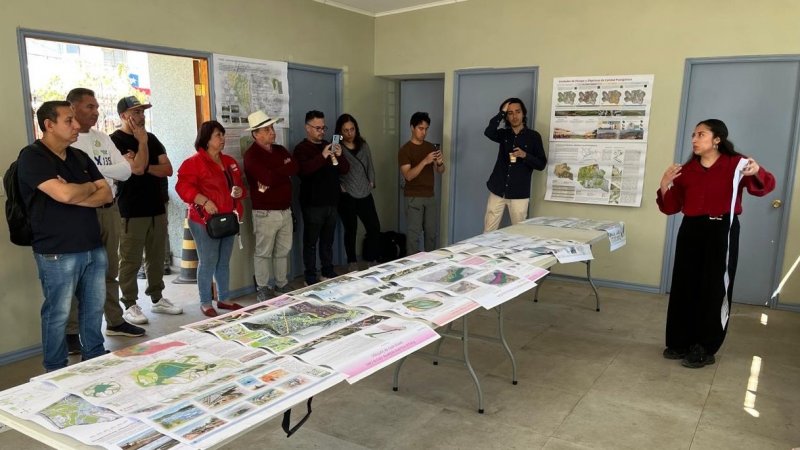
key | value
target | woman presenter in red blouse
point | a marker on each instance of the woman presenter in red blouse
(702, 189)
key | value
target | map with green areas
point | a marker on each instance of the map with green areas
(72, 410)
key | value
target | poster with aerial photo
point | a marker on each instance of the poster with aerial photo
(598, 139)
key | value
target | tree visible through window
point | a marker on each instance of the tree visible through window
(54, 68)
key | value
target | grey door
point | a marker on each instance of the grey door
(757, 100)
(320, 89)
(478, 94)
(426, 96)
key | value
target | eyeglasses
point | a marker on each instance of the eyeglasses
(322, 128)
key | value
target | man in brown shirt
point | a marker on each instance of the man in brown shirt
(417, 160)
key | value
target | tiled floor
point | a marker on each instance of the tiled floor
(586, 380)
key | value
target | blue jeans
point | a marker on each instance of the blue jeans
(63, 276)
(214, 262)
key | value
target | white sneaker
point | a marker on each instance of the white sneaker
(134, 315)
(164, 306)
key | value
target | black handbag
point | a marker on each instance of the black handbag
(222, 225)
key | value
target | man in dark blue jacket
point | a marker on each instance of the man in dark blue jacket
(519, 154)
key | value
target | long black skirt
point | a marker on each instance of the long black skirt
(698, 286)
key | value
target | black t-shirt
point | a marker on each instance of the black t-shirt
(140, 195)
(58, 227)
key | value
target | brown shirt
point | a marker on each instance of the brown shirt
(410, 153)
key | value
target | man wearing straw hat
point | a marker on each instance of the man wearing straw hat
(268, 168)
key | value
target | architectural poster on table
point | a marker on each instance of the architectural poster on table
(598, 139)
(243, 86)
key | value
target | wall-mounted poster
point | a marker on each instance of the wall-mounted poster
(243, 86)
(598, 139)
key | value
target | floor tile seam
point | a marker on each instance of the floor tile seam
(546, 352)
(578, 444)
(583, 396)
(757, 433)
(777, 398)
(572, 332)
(705, 404)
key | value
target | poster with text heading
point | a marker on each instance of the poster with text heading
(598, 139)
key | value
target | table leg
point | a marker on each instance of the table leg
(439, 344)
(591, 282)
(396, 377)
(536, 289)
(465, 340)
(501, 332)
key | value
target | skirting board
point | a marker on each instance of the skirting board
(788, 307)
(607, 283)
(19, 355)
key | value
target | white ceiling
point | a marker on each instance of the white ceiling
(377, 8)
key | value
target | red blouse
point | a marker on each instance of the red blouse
(200, 174)
(699, 191)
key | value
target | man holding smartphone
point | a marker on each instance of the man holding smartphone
(320, 166)
(417, 160)
(519, 154)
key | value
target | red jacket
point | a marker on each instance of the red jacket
(199, 174)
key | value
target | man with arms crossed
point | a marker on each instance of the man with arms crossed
(114, 167)
(61, 188)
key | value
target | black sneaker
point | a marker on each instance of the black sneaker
(125, 329)
(671, 353)
(697, 358)
(285, 289)
(73, 344)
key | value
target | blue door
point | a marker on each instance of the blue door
(477, 98)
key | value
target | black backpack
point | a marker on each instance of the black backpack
(392, 246)
(19, 223)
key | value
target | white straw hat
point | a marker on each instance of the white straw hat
(260, 119)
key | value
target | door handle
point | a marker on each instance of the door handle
(776, 203)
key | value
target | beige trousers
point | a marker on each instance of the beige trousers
(517, 210)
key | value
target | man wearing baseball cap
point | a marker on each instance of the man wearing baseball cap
(269, 169)
(142, 211)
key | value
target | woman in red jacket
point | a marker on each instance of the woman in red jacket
(708, 241)
(210, 182)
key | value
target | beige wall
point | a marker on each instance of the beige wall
(586, 37)
(300, 31)
(578, 37)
